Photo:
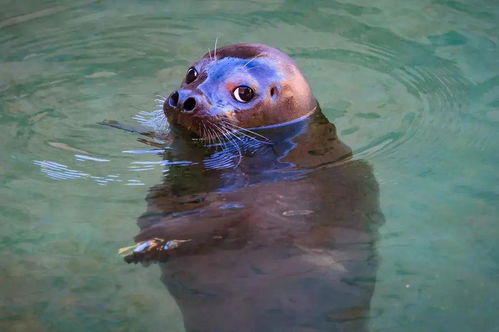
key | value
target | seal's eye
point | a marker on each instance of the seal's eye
(243, 93)
(191, 75)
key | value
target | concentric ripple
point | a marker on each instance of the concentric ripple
(385, 93)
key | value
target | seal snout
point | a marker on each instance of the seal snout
(183, 101)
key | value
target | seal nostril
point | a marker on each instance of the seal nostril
(173, 100)
(273, 91)
(189, 104)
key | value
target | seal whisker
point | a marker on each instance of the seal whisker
(224, 133)
(216, 133)
(213, 136)
(234, 132)
(247, 132)
(238, 148)
(239, 151)
(203, 132)
(206, 134)
(239, 131)
(160, 100)
(219, 130)
(227, 134)
(215, 50)
(256, 56)
(228, 126)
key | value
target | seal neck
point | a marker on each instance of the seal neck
(312, 134)
(282, 152)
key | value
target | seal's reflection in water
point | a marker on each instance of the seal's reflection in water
(284, 241)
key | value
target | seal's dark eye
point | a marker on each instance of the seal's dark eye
(191, 75)
(243, 93)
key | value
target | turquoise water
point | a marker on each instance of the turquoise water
(413, 88)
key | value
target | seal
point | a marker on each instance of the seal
(269, 224)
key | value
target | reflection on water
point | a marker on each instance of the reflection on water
(411, 86)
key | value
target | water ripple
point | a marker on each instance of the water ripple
(387, 94)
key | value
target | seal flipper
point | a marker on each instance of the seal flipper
(157, 250)
(208, 228)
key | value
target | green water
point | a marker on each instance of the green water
(413, 87)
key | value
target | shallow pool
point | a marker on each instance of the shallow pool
(412, 86)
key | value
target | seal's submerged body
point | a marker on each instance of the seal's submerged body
(280, 221)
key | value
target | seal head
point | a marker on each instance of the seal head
(239, 86)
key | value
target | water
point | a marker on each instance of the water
(412, 87)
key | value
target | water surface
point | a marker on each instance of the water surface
(411, 86)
